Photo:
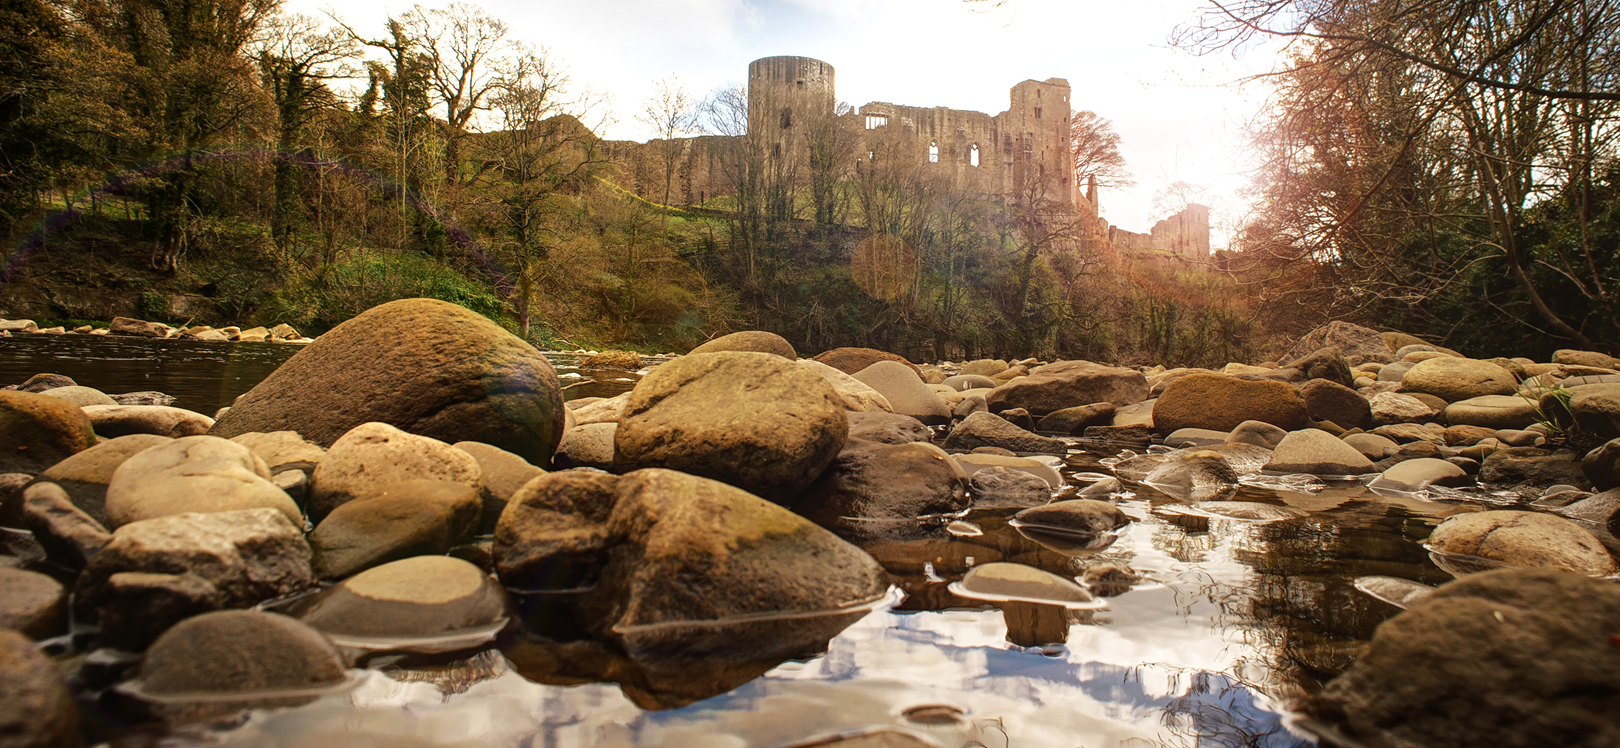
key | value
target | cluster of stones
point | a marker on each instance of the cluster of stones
(422, 461)
(282, 333)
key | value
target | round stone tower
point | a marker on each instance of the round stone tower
(784, 93)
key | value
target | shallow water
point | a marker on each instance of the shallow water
(204, 376)
(1235, 620)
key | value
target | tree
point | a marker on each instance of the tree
(404, 83)
(469, 49)
(1096, 151)
(296, 58)
(672, 114)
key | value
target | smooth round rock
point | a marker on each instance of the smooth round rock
(989, 430)
(162, 420)
(405, 519)
(1316, 452)
(1069, 384)
(1595, 409)
(1257, 433)
(1526, 539)
(999, 487)
(1195, 438)
(1075, 516)
(38, 431)
(283, 450)
(974, 462)
(1415, 475)
(752, 341)
(906, 393)
(1000, 580)
(871, 480)
(1492, 412)
(858, 396)
(374, 455)
(32, 603)
(424, 366)
(1456, 379)
(193, 474)
(85, 476)
(81, 396)
(1330, 401)
(1076, 420)
(853, 360)
(753, 420)
(590, 445)
(38, 710)
(1220, 403)
(239, 652)
(423, 596)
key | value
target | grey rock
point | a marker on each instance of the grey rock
(1394, 372)
(962, 382)
(976, 461)
(590, 445)
(374, 455)
(192, 474)
(144, 397)
(1392, 407)
(1075, 516)
(1195, 438)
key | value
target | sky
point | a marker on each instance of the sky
(1178, 116)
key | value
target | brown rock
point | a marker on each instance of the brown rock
(1068, 384)
(1330, 401)
(38, 710)
(38, 431)
(751, 341)
(424, 366)
(1218, 403)
(852, 360)
(409, 518)
(1358, 345)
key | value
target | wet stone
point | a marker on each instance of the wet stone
(1017, 582)
(1004, 487)
(1075, 516)
(413, 598)
(988, 430)
(1526, 539)
(38, 710)
(32, 603)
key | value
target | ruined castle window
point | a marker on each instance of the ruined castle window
(787, 117)
(973, 155)
(776, 150)
(874, 121)
(1037, 112)
(933, 152)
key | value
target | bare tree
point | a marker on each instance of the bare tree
(468, 48)
(672, 114)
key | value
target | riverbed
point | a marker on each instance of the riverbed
(1235, 619)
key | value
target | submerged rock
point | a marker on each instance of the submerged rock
(1515, 658)
(875, 481)
(657, 548)
(422, 597)
(1000, 487)
(225, 661)
(1527, 539)
(1074, 517)
(1001, 581)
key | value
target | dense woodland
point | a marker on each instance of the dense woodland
(1447, 169)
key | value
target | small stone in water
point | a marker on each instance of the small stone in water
(963, 529)
(1016, 582)
(933, 714)
(1248, 511)
(1401, 593)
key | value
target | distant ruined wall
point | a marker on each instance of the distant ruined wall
(699, 172)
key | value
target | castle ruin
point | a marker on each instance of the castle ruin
(1020, 154)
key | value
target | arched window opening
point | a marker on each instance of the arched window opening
(787, 117)
(933, 152)
(973, 155)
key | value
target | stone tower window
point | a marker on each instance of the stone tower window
(1037, 112)
(787, 117)
(933, 152)
(874, 121)
(973, 155)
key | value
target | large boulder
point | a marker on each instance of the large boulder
(193, 474)
(1067, 384)
(852, 360)
(1220, 403)
(157, 572)
(1528, 539)
(38, 431)
(750, 341)
(421, 365)
(906, 394)
(1358, 345)
(988, 430)
(876, 481)
(657, 549)
(1453, 379)
(1513, 658)
(38, 710)
(374, 455)
(1316, 452)
(754, 420)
